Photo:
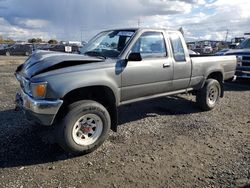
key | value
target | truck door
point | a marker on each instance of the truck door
(181, 62)
(153, 74)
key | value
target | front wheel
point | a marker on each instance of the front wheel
(84, 128)
(208, 96)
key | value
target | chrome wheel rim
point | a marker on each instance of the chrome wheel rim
(213, 95)
(87, 129)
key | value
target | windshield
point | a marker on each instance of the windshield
(245, 44)
(108, 43)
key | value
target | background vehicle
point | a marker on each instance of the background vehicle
(44, 46)
(235, 42)
(222, 52)
(207, 50)
(243, 58)
(79, 94)
(191, 52)
(60, 48)
(17, 49)
(2, 46)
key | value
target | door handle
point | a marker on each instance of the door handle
(165, 65)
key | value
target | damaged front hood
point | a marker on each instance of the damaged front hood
(43, 61)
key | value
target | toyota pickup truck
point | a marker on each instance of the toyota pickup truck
(79, 94)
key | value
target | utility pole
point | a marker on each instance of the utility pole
(226, 35)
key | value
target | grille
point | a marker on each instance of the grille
(246, 58)
(247, 64)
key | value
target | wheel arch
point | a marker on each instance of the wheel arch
(217, 75)
(100, 93)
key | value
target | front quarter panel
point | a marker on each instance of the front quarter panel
(62, 81)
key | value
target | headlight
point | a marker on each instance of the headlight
(38, 90)
(239, 60)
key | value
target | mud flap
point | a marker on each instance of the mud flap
(222, 90)
(114, 119)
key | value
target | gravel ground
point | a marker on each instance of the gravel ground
(165, 142)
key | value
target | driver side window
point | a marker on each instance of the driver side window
(150, 45)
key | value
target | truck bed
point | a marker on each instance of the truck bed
(203, 64)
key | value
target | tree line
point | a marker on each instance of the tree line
(6, 41)
(39, 40)
(32, 40)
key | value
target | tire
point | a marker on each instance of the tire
(84, 128)
(209, 95)
(7, 53)
(27, 53)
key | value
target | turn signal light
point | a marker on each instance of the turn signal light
(38, 90)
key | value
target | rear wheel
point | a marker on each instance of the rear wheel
(209, 95)
(84, 128)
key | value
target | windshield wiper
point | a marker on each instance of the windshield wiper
(95, 53)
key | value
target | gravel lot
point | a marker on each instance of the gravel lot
(165, 142)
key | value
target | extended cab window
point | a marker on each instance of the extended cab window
(177, 47)
(150, 45)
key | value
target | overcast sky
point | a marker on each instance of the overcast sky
(76, 19)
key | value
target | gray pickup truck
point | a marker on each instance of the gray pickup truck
(78, 95)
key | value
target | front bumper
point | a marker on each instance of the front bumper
(39, 111)
(243, 72)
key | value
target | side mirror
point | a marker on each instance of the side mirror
(134, 57)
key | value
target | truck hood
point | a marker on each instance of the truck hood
(238, 52)
(44, 61)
